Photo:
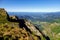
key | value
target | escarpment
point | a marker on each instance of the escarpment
(14, 28)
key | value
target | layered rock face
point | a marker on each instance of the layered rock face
(13, 28)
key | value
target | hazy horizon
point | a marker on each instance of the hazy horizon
(37, 12)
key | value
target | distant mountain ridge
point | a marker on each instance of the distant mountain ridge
(37, 16)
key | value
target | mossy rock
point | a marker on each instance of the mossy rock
(3, 15)
(3, 12)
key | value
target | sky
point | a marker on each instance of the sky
(30, 5)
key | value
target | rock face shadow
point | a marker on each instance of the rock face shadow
(20, 21)
(46, 37)
(22, 24)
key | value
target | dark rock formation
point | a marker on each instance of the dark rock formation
(46, 37)
(24, 24)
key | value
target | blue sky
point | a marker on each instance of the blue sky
(30, 5)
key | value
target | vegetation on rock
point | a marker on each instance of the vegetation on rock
(12, 28)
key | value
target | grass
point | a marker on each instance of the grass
(51, 29)
(11, 30)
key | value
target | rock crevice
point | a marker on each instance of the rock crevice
(30, 28)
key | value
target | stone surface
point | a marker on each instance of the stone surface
(17, 29)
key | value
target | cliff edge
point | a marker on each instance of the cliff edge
(13, 28)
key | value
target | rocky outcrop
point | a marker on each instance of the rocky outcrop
(25, 27)
(3, 12)
(3, 15)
